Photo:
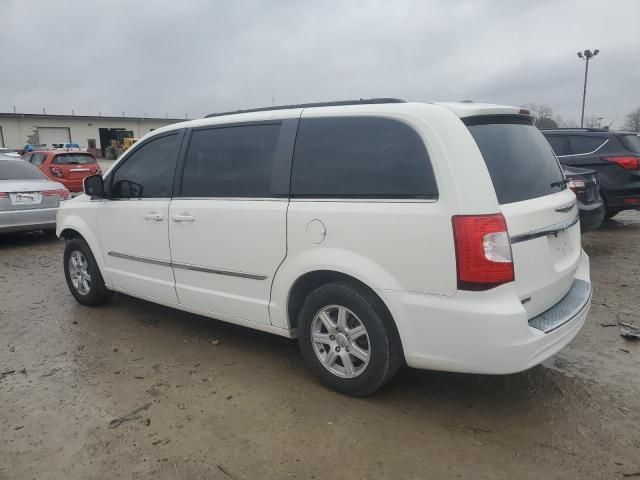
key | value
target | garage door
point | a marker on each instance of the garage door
(50, 135)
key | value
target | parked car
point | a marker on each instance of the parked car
(66, 146)
(585, 185)
(378, 232)
(615, 156)
(28, 199)
(7, 152)
(67, 167)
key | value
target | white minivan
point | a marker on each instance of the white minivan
(378, 232)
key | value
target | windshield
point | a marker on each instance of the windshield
(520, 161)
(73, 159)
(630, 142)
(17, 170)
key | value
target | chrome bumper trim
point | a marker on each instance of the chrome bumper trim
(543, 232)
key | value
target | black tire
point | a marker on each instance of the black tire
(384, 346)
(611, 212)
(49, 233)
(97, 293)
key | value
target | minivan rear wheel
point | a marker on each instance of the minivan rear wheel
(348, 339)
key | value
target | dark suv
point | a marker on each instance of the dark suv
(615, 156)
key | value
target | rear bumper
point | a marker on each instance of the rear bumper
(591, 216)
(26, 220)
(481, 332)
(74, 186)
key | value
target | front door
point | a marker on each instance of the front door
(133, 221)
(228, 225)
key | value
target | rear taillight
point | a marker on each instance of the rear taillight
(57, 172)
(483, 251)
(63, 193)
(575, 183)
(628, 163)
(4, 195)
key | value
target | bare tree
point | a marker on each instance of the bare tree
(543, 116)
(591, 122)
(632, 121)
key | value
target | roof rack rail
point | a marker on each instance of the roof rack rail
(578, 129)
(362, 101)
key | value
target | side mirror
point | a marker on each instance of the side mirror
(94, 186)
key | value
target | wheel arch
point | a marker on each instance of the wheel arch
(74, 227)
(311, 280)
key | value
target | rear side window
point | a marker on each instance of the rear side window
(233, 161)
(630, 142)
(519, 159)
(582, 144)
(18, 170)
(148, 171)
(559, 145)
(364, 157)
(73, 159)
(37, 159)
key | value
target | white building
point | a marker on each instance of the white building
(94, 132)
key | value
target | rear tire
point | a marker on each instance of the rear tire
(348, 339)
(611, 212)
(83, 275)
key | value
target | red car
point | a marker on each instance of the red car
(68, 167)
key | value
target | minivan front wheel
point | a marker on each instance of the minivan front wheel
(83, 275)
(348, 340)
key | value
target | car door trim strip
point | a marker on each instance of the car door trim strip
(586, 153)
(187, 266)
(543, 232)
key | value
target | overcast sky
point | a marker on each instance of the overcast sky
(203, 56)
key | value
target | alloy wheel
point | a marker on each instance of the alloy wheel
(340, 341)
(79, 272)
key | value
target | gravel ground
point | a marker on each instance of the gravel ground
(225, 402)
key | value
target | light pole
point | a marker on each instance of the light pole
(586, 55)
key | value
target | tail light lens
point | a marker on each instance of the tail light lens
(628, 163)
(4, 195)
(63, 193)
(57, 172)
(575, 184)
(483, 251)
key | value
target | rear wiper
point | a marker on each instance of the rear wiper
(560, 183)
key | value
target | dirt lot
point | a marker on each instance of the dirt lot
(230, 403)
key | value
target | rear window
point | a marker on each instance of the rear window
(361, 157)
(520, 161)
(630, 142)
(19, 170)
(73, 159)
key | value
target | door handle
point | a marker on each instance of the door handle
(158, 217)
(183, 217)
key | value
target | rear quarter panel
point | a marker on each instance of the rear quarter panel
(391, 245)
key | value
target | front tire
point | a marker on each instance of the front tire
(348, 339)
(83, 275)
